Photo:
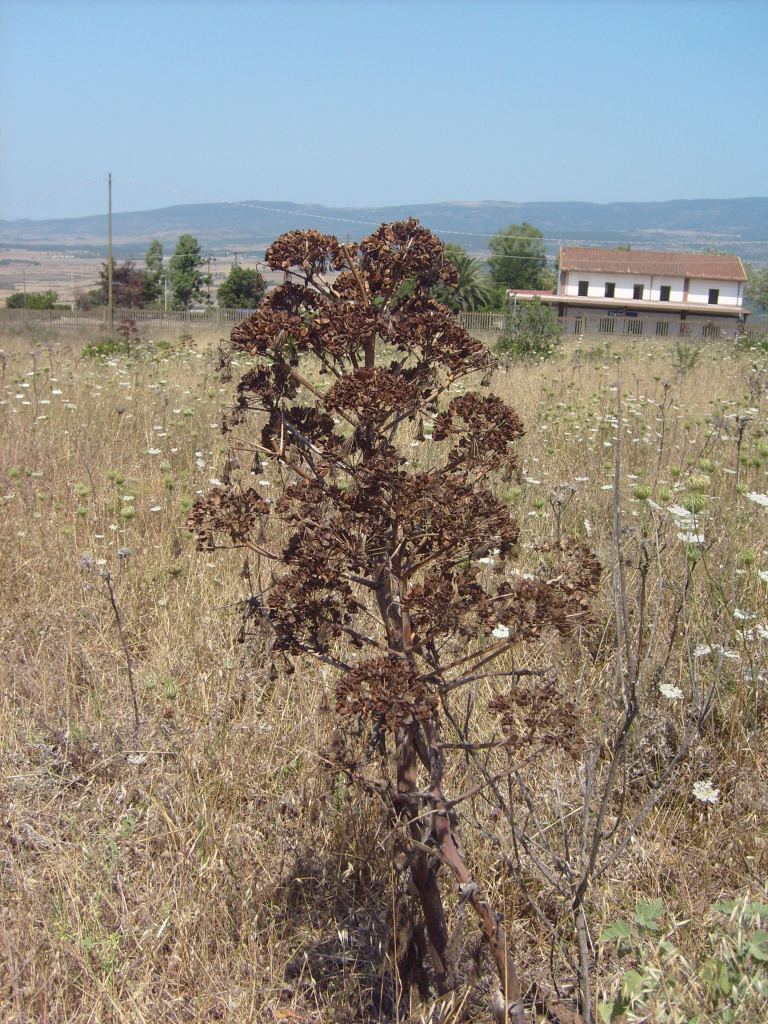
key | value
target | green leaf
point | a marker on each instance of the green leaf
(606, 1011)
(758, 946)
(647, 915)
(725, 906)
(616, 931)
(632, 984)
(716, 977)
(612, 1011)
(709, 973)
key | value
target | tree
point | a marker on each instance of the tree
(243, 288)
(153, 272)
(32, 300)
(519, 259)
(185, 273)
(127, 284)
(89, 299)
(472, 290)
(756, 288)
(532, 330)
(376, 567)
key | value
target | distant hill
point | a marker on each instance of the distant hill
(734, 225)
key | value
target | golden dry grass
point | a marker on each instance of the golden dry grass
(212, 867)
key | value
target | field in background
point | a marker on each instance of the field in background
(69, 273)
(211, 867)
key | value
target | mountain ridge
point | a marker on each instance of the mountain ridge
(739, 224)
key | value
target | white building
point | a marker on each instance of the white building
(637, 291)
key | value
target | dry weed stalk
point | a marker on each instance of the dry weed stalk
(571, 840)
(383, 572)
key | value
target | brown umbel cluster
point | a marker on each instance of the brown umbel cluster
(377, 568)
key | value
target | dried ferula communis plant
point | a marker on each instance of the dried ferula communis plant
(380, 570)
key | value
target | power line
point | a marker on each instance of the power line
(46, 195)
(582, 242)
(365, 223)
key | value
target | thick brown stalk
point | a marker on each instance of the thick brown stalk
(422, 872)
(492, 924)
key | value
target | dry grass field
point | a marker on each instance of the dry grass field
(209, 865)
(70, 274)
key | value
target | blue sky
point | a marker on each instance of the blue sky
(379, 101)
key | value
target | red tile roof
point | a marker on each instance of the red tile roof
(646, 261)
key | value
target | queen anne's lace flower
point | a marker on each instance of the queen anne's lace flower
(706, 792)
(690, 537)
(670, 691)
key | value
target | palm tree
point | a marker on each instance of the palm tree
(473, 291)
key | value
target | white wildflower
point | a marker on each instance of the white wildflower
(679, 512)
(759, 499)
(742, 616)
(501, 632)
(706, 792)
(153, 451)
(691, 537)
(704, 649)
(763, 575)
(670, 691)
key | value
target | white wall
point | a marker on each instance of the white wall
(730, 291)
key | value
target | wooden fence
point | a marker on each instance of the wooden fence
(487, 326)
(68, 318)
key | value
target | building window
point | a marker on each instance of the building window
(664, 293)
(714, 296)
(637, 292)
(662, 328)
(583, 287)
(610, 289)
(633, 326)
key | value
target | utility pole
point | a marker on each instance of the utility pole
(110, 308)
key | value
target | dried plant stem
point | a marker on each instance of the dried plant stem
(126, 650)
